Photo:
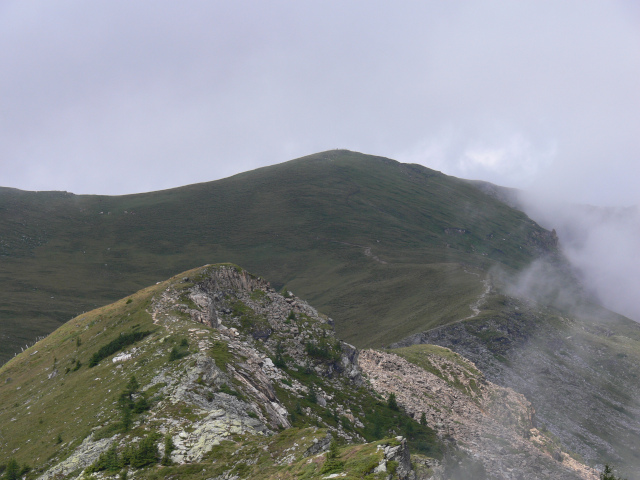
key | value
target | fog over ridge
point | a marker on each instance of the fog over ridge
(602, 244)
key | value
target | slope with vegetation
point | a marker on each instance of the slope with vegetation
(371, 241)
(388, 250)
(210, 373)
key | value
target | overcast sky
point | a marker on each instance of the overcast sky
(117, 97)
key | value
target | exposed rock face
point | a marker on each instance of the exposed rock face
(232, 391)
(220, 296)
(491, 423)
(564, 366)
(87, 453)
(397, 455)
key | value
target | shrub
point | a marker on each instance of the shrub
(224, 388)
(115, 345)
(607, 474)
(176, 354)
(323, 350)
(392, 403)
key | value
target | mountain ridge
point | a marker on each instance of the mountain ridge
(223, 363)
(390, 252)
(305, 219)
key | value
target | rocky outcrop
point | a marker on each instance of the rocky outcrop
(83, 456)
(396, 461)
(232, 392)
(583, 385)
(490, 423)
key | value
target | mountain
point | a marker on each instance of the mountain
(396, 254)
(364, 238)
(213, 374)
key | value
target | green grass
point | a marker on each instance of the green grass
(36, 417)
(48, 407)
(303, 223)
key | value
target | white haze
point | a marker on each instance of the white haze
(601, 243)
(115, 97)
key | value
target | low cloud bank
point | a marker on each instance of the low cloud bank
(602, 244)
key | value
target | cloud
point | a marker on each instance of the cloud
(527, 93)
(601, 243)
(516, 161)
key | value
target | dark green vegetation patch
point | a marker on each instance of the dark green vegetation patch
(123, 340)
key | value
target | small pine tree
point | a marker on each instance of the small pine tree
(141, 405)
(332, 464)
(12, 471)
(607, 474)
(423, 419)
(127, 421)
(168, 448)
(127, 405)
(146, 453)
(133, 386)
(392, 403)
(108, 460)
(334, 451)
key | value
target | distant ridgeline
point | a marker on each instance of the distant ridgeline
(365, 238)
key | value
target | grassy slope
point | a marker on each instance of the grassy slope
(43, 418)
(303, 223)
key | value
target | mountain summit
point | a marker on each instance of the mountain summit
(361, 237)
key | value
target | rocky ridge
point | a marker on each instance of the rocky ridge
(243, 381)
(229, 368)
(491, 423)
(579, 368)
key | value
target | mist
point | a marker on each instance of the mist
(602, 245)
(112, 97)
